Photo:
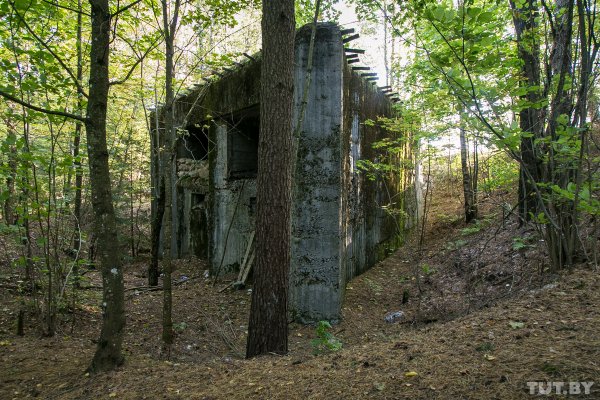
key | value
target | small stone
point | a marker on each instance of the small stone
(393, 317)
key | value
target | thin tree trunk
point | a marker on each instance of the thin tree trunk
(169, 172)
(588, 53)
(26, 241)
(530, 117)
(157, 218)
(392, 81)
(386, 59)
(131, 214)
(306, 88)
(561, 172)
(268, 326)
(158, 200)
(108, 352)
(475, 177)
(76, 146)
(9, 202)
(470, 205)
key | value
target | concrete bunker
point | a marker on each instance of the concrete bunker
(339, 225)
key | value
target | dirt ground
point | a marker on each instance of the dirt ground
(481, 317)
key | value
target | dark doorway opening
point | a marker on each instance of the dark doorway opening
(194, 145)
(199, 226)
(243, 145)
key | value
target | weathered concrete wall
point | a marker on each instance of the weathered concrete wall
(232, 204)
(339, 225)
(237, 91)
(316, 281)
(211, 106)
(366, 225)
(378, 209)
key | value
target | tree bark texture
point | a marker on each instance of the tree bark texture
(169, 167)
(108, 352)
(158, 201)
(268, 327)
(469, 181)
(76, 148)
(561, 171)
(157, 218)
(531, 118)
(9, 202)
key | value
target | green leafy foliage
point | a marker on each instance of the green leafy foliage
(485, 347)
(520, 243)
(325, 340)
(470, 230)
(516, 324)
(428, 270)
(499, 173)
(305, 11)
(455, 245)
(180, 327)
(582, 194)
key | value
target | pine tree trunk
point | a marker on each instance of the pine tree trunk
(108, 352)
(268, 327)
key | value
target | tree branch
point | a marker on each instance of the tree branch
(40, 109)
(45, 45)
(66, 8)
(134, 66)
(175, 20)
(550, 20)
(127, 7)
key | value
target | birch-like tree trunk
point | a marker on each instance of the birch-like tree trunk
(108, 352)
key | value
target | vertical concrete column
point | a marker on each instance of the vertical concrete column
(316, 276)
(219, 203)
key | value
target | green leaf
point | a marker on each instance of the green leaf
(516, 324)
(473, 12)
(22, 5)
(439, 13)
(485, 17)
(449, 15)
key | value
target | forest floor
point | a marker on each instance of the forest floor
(481, 317)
